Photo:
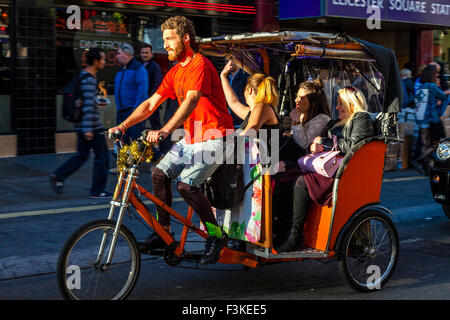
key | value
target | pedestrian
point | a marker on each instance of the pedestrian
(408, 88)
(203, 113)
(154, 80)
(428, 113)
(131, 89)
(238, 81)
(89, 133)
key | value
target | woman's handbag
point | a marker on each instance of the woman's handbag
(325, 163)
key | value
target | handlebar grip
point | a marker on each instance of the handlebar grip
(144, 136)
(116, 135)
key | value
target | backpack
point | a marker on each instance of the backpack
(72, 93)
(225, 188)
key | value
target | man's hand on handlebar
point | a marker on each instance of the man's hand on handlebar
(155, 136)
(116, 132)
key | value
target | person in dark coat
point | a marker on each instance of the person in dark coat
(355, 125)
(238, 80)
(154, 80)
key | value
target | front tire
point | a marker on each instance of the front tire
(82, 277)
(369, 252)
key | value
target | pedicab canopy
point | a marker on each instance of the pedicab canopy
(293, 56)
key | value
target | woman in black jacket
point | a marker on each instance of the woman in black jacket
(354, 125)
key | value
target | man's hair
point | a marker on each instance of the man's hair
(182, 25)
(145, 45)
(127, 48)
(428, 74)
(406, 72)
(94, 54)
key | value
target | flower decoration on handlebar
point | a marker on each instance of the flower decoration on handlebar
(135, 153)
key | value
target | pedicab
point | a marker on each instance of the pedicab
(101, 259)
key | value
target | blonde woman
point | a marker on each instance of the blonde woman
(261, 96)
(355, 125)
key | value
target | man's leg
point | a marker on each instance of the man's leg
(167, 169)
(189, 188)
(71, 165)
(101, 164)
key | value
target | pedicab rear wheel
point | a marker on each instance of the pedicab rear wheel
(81, 275)
(369, 251)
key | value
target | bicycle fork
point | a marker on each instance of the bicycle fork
(114, 204)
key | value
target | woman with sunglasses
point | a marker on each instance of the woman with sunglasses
(354, 125)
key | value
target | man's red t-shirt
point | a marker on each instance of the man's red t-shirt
(211, 111)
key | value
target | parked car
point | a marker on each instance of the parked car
(440, 176)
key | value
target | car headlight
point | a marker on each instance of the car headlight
(443, 151)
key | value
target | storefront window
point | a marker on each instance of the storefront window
(102, 29)
(106, 30)
(5, 70)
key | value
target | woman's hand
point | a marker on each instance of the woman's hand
(316, 146)
(226, 70)
(295, 115)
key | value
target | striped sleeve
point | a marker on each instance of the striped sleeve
(90, 119)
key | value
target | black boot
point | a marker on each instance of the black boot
(300, 210)
(212, 248)
(153, 242)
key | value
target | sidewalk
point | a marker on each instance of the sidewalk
(25, 185)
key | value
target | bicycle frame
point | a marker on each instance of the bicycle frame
(129, 197)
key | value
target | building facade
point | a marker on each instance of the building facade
(43, 43)
(415, 30)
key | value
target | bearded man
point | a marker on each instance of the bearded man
(194, 82)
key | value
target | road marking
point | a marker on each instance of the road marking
(404, 179)
(64, 210)
(410, 240)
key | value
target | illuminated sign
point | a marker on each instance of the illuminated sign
(100, 23)
(183, 4)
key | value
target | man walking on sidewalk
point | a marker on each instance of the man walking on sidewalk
(88, 132)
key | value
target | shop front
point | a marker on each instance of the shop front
(402, 25)
(43, 45)
(6, 139)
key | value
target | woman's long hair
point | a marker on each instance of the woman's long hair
(318, 102)
(353, 101)
(265, 88)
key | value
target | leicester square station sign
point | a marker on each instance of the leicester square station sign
(432, 12)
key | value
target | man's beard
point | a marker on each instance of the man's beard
(175, 56)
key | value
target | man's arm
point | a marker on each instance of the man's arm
(183, 112)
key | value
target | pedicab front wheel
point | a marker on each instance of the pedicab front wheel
(82, 272)
(369, 252)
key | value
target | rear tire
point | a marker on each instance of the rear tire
(78, 275)
(446, 209)
(369, 252)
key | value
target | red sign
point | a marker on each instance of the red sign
(105, 23)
